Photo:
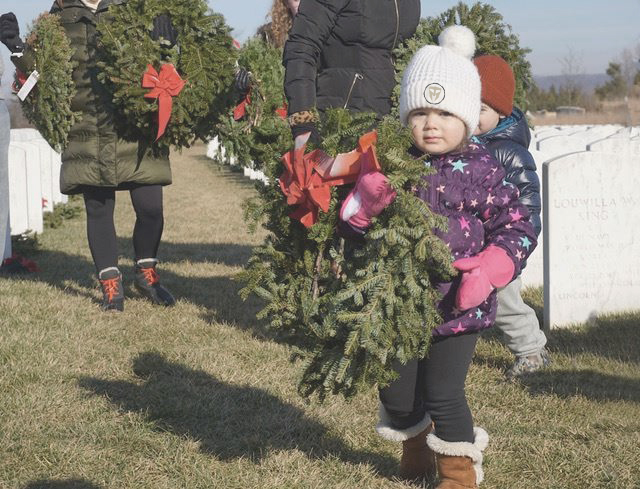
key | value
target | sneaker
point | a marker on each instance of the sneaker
(112, 290)
(529, 363)
(147, 283)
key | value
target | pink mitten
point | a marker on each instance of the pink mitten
(483, 272)
(368, 199)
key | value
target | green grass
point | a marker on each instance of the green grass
(201, 396)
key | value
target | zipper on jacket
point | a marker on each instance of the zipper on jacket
(356, 77)
(395, 38)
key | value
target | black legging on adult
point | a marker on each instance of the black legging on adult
(101, 231)
(434, 386)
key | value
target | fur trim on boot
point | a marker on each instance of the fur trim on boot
(446, 450)
(388, 432)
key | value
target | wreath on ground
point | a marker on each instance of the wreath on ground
(48, 106)
(256, 129)
(203, 56)
(352, 308)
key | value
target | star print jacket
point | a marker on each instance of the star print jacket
(482, 208)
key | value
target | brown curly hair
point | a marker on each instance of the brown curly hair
(281, 21)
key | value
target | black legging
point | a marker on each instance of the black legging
(434, 385)
(101, 231)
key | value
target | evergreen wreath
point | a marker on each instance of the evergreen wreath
(351, 309)
(493, 36)
(203, 57)
(48, 106)
(261, 134)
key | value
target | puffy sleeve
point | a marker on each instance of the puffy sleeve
(505, 219)
(311, 28)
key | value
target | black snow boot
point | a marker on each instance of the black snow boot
(112, 290)
(147, 283)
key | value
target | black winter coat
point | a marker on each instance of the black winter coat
(509, 143)
(339, 53)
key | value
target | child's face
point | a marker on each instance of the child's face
(435, 131)
(489, 119)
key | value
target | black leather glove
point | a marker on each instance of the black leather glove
(307, 127)
(164, 31)
(242, 80)
(10, 33)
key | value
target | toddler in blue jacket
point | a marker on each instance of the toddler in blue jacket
(504, 131)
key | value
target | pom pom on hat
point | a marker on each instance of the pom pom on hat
(459, 39)
(444, 78)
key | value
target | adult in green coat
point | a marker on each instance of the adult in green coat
(98, 162)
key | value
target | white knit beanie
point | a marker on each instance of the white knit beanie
(443, 77)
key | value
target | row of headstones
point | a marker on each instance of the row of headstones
(588, 256)
(34, 180)
(552, 141)
(216, 151)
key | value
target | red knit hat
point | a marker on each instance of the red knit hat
(498, 83)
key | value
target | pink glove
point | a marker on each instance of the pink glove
(368, 199)
(483, 272)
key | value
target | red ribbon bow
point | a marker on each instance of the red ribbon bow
(241, 109)
(307, 178)
(164, 87)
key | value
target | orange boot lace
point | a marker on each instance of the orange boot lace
(150, 275)
(110, 286)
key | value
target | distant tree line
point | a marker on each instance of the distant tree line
(624, 80)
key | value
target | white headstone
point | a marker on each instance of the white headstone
(46, 174)
(592, 236)
(560, 145)
(26, 134)
(19, 219)
(618, 143)
(213, 148)
(25, 190)
(542, 132)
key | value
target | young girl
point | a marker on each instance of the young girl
(97, 161)
(282, 13)
(489, 234)
(274, 33)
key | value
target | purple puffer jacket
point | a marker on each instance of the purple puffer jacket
(469, 188)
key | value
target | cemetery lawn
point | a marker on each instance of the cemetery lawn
(202, 396)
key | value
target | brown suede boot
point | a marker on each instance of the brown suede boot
(459, 463)
(456, 473)
(418, 461)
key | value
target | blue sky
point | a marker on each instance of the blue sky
(594, 31)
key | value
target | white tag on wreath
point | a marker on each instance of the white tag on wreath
(28, 85)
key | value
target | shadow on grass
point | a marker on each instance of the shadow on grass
(590, 384)
(217, 294)
(614, 337)
(229, 421)
(62, 484)
(230, 254)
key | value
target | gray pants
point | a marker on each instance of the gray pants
(5, 231)
(518, 322)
